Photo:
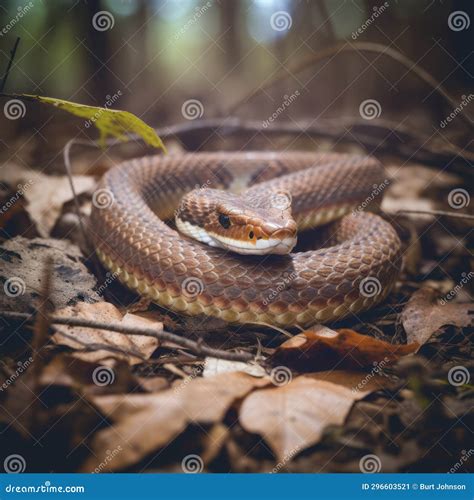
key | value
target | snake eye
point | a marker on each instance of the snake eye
(251, 235)
(224, 221)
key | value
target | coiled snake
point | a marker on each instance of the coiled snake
(355, 269)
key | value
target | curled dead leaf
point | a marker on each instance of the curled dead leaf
(135, 348)
(322, 349)
(424, 315)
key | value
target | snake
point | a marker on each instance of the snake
(217, 234)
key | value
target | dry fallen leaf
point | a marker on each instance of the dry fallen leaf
(424, 315)
(45, 194)
(22, 273)
(214, 366)
(322, 348)
(143, 423)
(293, 417)
(142, 346)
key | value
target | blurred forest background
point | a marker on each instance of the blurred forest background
(152, 56)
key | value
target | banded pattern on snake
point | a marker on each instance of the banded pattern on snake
(356, 268)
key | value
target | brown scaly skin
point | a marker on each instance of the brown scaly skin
(186, 276)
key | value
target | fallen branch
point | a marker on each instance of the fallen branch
(437, 212)
(197, 348)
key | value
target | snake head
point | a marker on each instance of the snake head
(238, 223)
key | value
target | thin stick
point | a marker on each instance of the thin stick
(360, 47)
(10, 62)
(437, 212)
(196, 347)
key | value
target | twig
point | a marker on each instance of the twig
(94, 347)
(67, 164)
(196, 347)
(437, 212)
(10, 62)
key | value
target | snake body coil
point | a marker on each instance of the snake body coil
(354, 270)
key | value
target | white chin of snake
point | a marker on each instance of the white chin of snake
(260, 247)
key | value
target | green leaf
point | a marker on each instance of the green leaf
(109, 122)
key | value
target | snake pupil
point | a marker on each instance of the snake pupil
(251, 235)
(224, 221)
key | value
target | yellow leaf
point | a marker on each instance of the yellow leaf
(110, 122)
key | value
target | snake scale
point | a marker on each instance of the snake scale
(355, 268)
